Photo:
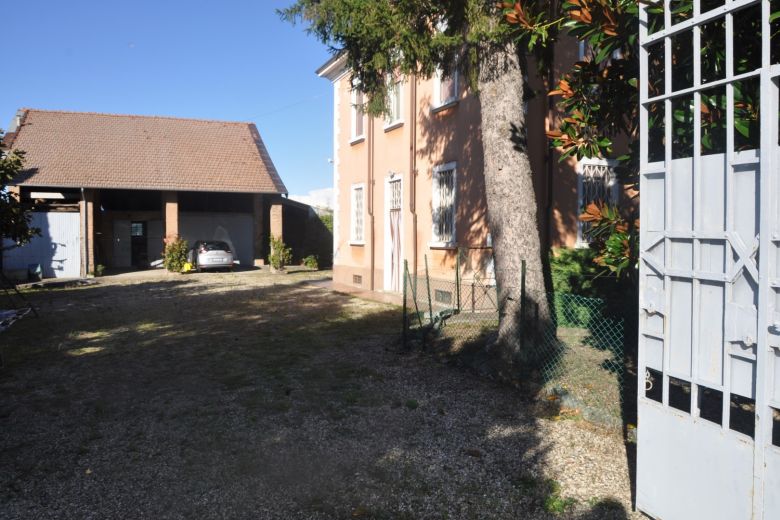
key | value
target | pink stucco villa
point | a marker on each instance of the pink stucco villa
(410, 186)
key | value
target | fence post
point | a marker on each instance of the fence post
(428, 285)
(403, 317)
(457, 278)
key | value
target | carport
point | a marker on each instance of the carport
(112, 189)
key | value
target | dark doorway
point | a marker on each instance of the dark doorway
(139, 254)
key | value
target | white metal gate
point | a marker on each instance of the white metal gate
(709, 426)
(57, 250)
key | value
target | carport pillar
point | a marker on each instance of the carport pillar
(87, 231)
(171, 207)
(277, 228)
(260, 238)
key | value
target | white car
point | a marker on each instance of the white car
(211, 254)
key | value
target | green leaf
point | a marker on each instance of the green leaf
(742, 127)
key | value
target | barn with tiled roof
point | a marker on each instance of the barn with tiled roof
(112, 189)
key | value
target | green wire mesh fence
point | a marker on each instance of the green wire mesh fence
(579, 358)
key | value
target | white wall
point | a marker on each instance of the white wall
(234, 228)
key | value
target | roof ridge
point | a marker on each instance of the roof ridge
(109, 114)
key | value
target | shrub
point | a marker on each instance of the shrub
(175, 255)
(311, 262)
(281, 255)
(575, 272)
(327, 219)
(99, 269)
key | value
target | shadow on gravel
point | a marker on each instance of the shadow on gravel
(193, 399)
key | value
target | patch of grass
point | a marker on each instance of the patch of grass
(554, 503)
(546, 492)
(412, 404)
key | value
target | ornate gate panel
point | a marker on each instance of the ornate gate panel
(709, 346)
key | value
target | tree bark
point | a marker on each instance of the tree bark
(512, 207)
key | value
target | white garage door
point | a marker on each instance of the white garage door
(234, 228)
(57, 249)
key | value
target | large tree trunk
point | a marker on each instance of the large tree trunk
(512, 207)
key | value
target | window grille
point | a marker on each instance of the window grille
(395, 194)
(596, 183)
(444, 204)
(357, 213)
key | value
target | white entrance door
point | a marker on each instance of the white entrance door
(393, 235)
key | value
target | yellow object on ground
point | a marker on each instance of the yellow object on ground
(186, 268)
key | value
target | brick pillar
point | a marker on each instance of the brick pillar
(277, 230)
(87, 208)
(171, 209)
(260, 238)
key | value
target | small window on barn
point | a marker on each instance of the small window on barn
(444, 205)
(137, 229)
(358, 205)
(596, 183)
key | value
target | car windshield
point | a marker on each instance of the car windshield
(215, 246)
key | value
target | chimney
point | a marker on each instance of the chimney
(16, 123)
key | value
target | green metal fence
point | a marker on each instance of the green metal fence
(578, 358)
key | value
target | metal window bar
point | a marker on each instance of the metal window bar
(596, 183)
(358, 231)
(395, 194)
(445, 212)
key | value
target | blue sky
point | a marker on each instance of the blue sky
(227, 59)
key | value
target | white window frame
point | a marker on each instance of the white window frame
(393, 121)
(612, 186)
(355, 112)
(355, 238)
(438, 102)
(436, 241)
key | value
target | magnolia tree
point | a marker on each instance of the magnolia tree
(385, 38)
(600, 98)
(14, 217)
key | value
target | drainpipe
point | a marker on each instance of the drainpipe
(370, 197)
(413, 170)
(86, 232)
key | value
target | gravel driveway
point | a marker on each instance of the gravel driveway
(249, 395)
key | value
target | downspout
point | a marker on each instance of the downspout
(86, 232)
(413, 171)
(371, 196)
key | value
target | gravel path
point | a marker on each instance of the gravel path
(249, 395)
